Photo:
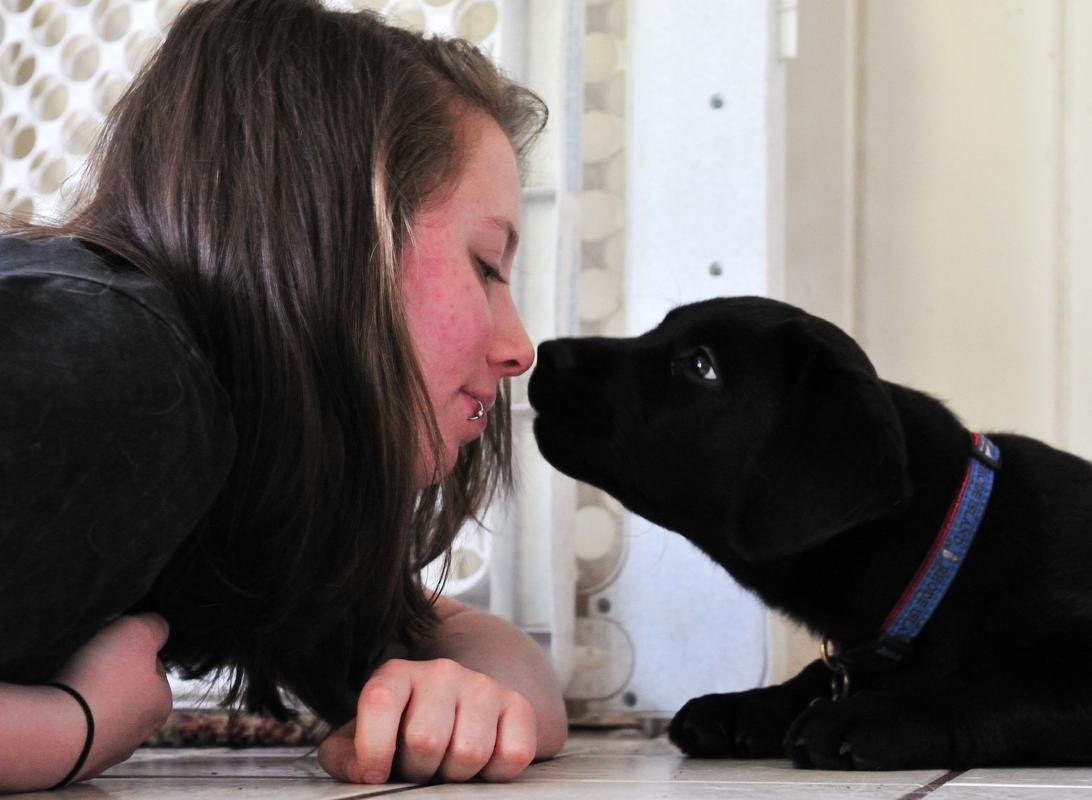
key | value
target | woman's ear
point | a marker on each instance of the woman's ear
(834, 458)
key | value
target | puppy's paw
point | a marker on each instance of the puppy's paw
(739, 725)
(865, 732)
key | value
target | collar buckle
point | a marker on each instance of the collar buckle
(831, 656)
(879, 655)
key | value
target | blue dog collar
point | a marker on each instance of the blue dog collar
(931, 581)
(940, 566)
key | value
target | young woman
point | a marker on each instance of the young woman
(252, 386)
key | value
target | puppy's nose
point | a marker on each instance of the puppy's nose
(555, 356)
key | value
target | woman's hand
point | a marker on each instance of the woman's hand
(422, 719)
(122, 679)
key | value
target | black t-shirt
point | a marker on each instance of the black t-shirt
(115, 438)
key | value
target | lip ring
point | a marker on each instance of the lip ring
(479, 413)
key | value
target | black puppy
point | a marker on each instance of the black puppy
(764, 436)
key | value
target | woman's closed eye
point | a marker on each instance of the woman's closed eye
(489, 272)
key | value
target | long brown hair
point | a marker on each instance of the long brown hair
(267, 166)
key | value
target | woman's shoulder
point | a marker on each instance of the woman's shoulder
(86, 294)
(64, 258)
(62, 270)
(60, 255)
(89, 346)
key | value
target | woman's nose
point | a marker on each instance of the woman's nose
(512, 351)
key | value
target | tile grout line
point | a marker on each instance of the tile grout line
(385, 792)
(932, 786)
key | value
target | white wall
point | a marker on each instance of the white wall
(939, 161)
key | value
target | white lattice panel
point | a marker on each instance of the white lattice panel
(63, 64)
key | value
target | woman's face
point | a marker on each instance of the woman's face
(464, 325)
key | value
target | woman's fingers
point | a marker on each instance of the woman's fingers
(426, 733)
(475, 731)
(516, 740)
(378, 719)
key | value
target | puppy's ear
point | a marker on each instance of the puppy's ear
(834, 458)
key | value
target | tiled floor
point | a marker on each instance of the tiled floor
(620, 765)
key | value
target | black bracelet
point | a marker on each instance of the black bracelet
(67, 779)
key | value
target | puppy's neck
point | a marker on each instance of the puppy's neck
(873, 563)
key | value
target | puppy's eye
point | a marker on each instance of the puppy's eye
(697, 365)
(702, 364)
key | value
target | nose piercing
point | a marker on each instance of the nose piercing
(479, 413)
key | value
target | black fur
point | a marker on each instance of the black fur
(821, 487)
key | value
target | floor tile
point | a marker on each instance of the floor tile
(622, 765)
(213, 789)
(1055, 783)
(628, 756)
(528, 789)
(1044, 777)
(626, 765)
(197, 774)
(220, 762)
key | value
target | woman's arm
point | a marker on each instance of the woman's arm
(42, 729)
(41, 732)
(480, 699)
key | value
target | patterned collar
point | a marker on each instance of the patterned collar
(934, 575)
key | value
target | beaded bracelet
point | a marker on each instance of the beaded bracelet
(67, 779)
